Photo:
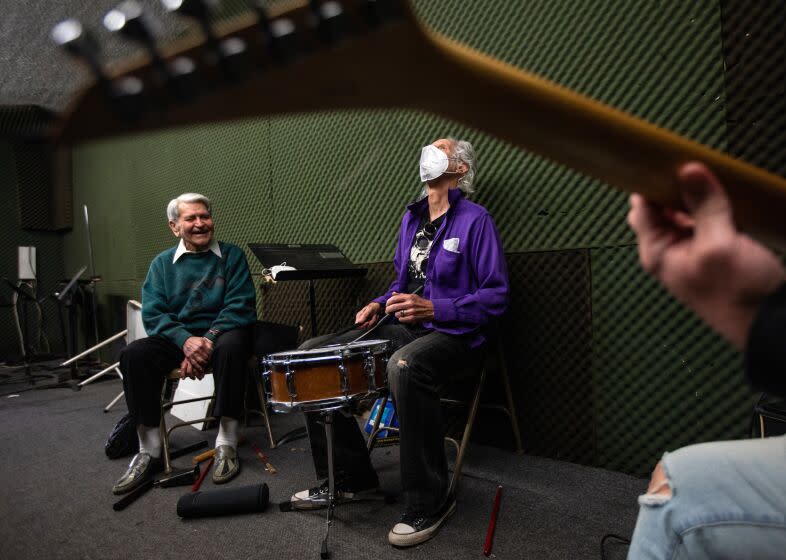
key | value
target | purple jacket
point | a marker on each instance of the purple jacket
(467, 278)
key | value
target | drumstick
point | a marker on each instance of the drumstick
(492, 522)
(203, 457)
(208, 454)
(385, 319)
(132, 496)
(268, 467)
(199, 480)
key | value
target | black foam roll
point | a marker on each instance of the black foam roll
(245, 499)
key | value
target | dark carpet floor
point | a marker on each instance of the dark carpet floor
(55, 498)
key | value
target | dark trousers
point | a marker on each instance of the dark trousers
(146, 362)
(420, 370)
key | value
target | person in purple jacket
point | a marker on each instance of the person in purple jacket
(450, 252)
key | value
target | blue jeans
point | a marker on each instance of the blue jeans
(728, 501)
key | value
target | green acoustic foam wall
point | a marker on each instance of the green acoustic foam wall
(345, 177)
(286, 303)
(661, 378)
(547, 339)
(753, 37)
(24, 121)
(49, 260)
(658, 60)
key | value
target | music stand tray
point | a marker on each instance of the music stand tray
(312, 262)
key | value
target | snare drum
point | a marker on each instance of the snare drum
(324, 378)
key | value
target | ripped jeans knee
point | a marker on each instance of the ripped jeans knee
(397, 367)
(659, 490)
(406, 374)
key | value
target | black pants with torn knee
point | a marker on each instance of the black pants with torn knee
(421, 368)
(146, 362)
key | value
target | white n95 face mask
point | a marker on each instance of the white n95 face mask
(433, 163)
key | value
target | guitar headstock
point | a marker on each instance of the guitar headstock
(305, 55)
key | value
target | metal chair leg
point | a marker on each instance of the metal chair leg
(372, 438)
(461, 447)
(467, 432)
(328, 416)
(99, 374)
(264, 412)
(114, 401)
(514, 423)
(164, 442)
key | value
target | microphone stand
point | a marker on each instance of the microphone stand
(67, 296)
(28, 350)
(23, 342)
(93, 311)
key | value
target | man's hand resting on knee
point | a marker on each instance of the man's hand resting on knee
(197, 351)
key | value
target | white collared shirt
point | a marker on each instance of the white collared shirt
(181, 250)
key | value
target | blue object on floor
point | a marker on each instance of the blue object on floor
(389, 419)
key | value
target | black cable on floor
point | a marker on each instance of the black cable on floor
(621, 540)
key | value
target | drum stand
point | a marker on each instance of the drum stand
(328, 417)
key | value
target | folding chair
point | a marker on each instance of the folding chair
(134, 330)
(168, 401)
(493, 351)
(268, 338)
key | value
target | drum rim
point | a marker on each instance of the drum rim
(330, 403)
(329, 353)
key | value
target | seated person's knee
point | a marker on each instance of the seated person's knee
(134, 351)
(659, 490)
(397, 365)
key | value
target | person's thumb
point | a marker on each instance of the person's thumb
(705, 200)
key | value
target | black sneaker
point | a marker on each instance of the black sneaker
(317, 498)
(415, 528)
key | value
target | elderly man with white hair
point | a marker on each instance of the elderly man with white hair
(449, 251)
(198, 309)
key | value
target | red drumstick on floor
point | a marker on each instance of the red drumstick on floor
(492, 522)
(198, 483)
(262, 457)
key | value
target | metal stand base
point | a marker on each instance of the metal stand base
(331, 501)
(328, 416)
(114, 401)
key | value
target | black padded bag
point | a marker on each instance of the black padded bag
(224, 501)
(123, 440)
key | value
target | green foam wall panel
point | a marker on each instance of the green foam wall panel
(609, 370)
(661, 378)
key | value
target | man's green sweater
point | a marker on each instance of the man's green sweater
(201, 294)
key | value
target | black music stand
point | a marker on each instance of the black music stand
(312, 262)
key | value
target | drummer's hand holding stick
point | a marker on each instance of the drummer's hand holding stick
(410, 309)
(365, 319)
(368, 316)
(419, 309)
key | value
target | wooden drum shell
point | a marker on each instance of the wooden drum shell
(316, 381)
